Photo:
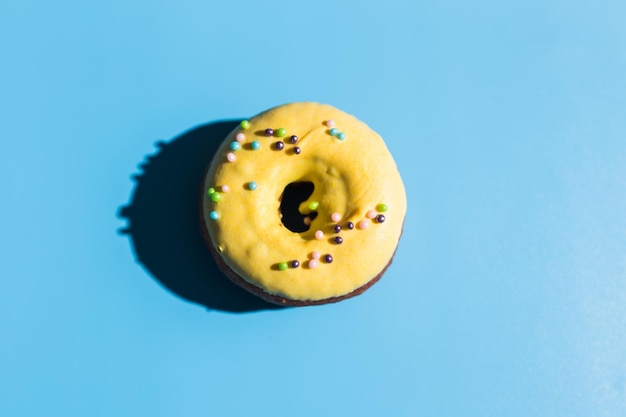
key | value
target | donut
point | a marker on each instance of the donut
(302, 205)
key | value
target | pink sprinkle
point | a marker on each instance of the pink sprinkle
(370, 214)
(319, 235)
(313, 263)
(231, 157)
(363, 224)
(330, 123)
(335, 217)
(225, 188)
(240, 137)
(315, 255)
(307, 220)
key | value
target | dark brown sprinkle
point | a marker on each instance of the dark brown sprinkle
(279, 145)
(380, 218)
(328, 258)
(295, 264)
(338, 240)
(337, 228)
(349, 225)
(297, 150)
(269, 132)
(293, 139)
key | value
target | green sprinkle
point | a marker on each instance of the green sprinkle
(382, 207)
(282, 266)
(215, 197)
(313, 205)
(245, 124)
(281, 132)
(211, 190)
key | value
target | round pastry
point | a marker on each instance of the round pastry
(302, 205)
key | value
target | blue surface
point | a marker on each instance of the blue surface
(506, 297)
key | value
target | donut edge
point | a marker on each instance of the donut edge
(273, 298)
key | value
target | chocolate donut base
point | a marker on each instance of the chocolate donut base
(273, 298)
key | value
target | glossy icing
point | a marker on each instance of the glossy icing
(352, 177)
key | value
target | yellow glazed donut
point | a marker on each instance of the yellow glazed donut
(303, 204)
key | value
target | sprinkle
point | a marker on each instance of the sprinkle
(341, 136)
(211, 190)
(255, 145)
(335, 217)
(214, 215)
(370, 214)
(313, 263)
(328, 258)
(245, 124)
(315, 255)
(231, 157)
(338, 240)
(349, 225)
(293, 139)
(319, 235)
(382, 207)
(225, 188)
(380, 218)
(215, 197)
(240, 137)
(313, 205)
(330, 123)
(279, 145)
(295, 264)
(363, 224)
(297, 150)
(307, 220)
(333, 132)
(269, 132)
(283, 266)
(337, 228)
(235, 146)
(252, 186)
(280, 132)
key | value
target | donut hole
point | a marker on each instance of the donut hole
(293, 195)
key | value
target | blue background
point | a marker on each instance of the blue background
(506, 297)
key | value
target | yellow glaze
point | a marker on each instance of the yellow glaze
(350, 177)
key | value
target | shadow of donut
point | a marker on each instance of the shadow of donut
(164, 228)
